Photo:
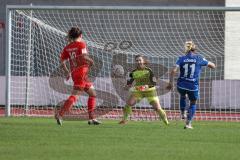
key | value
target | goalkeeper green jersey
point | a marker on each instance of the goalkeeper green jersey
(142, 77)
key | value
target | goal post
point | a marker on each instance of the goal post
(8, 62)
(114, 35)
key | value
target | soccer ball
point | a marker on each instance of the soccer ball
(118, 71)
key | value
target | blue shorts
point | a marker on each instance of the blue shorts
(192, 95)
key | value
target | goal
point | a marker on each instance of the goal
(114, 35)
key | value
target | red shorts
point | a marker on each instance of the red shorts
(80, 78)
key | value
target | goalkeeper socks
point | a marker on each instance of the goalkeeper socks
(162, 115)
(67, 105)
(182, 104)
(91, 107)
(191, 112)
(126, 111)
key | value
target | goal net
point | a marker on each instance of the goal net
(36, 84)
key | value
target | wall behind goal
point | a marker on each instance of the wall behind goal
(232, 40)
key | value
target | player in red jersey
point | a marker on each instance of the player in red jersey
(76, 53)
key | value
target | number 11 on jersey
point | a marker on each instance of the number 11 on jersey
(186, 68)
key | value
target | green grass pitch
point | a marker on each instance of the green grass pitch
(42, 139)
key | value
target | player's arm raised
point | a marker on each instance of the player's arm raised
(211, 65)
(207, 63)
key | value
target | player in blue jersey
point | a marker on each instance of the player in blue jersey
(188, 81)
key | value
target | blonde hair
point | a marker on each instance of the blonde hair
(189, 46)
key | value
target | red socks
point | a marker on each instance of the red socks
(67, 105)
(91, 107)
(70, 102)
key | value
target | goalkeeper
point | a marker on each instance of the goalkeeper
(144, 87)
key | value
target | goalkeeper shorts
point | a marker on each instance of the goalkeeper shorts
(149, 93)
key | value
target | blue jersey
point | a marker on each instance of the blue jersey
(190, 69)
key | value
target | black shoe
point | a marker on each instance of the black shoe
(94, 122)
(58, 119)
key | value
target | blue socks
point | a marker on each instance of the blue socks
(191, 112)
(182, 104)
